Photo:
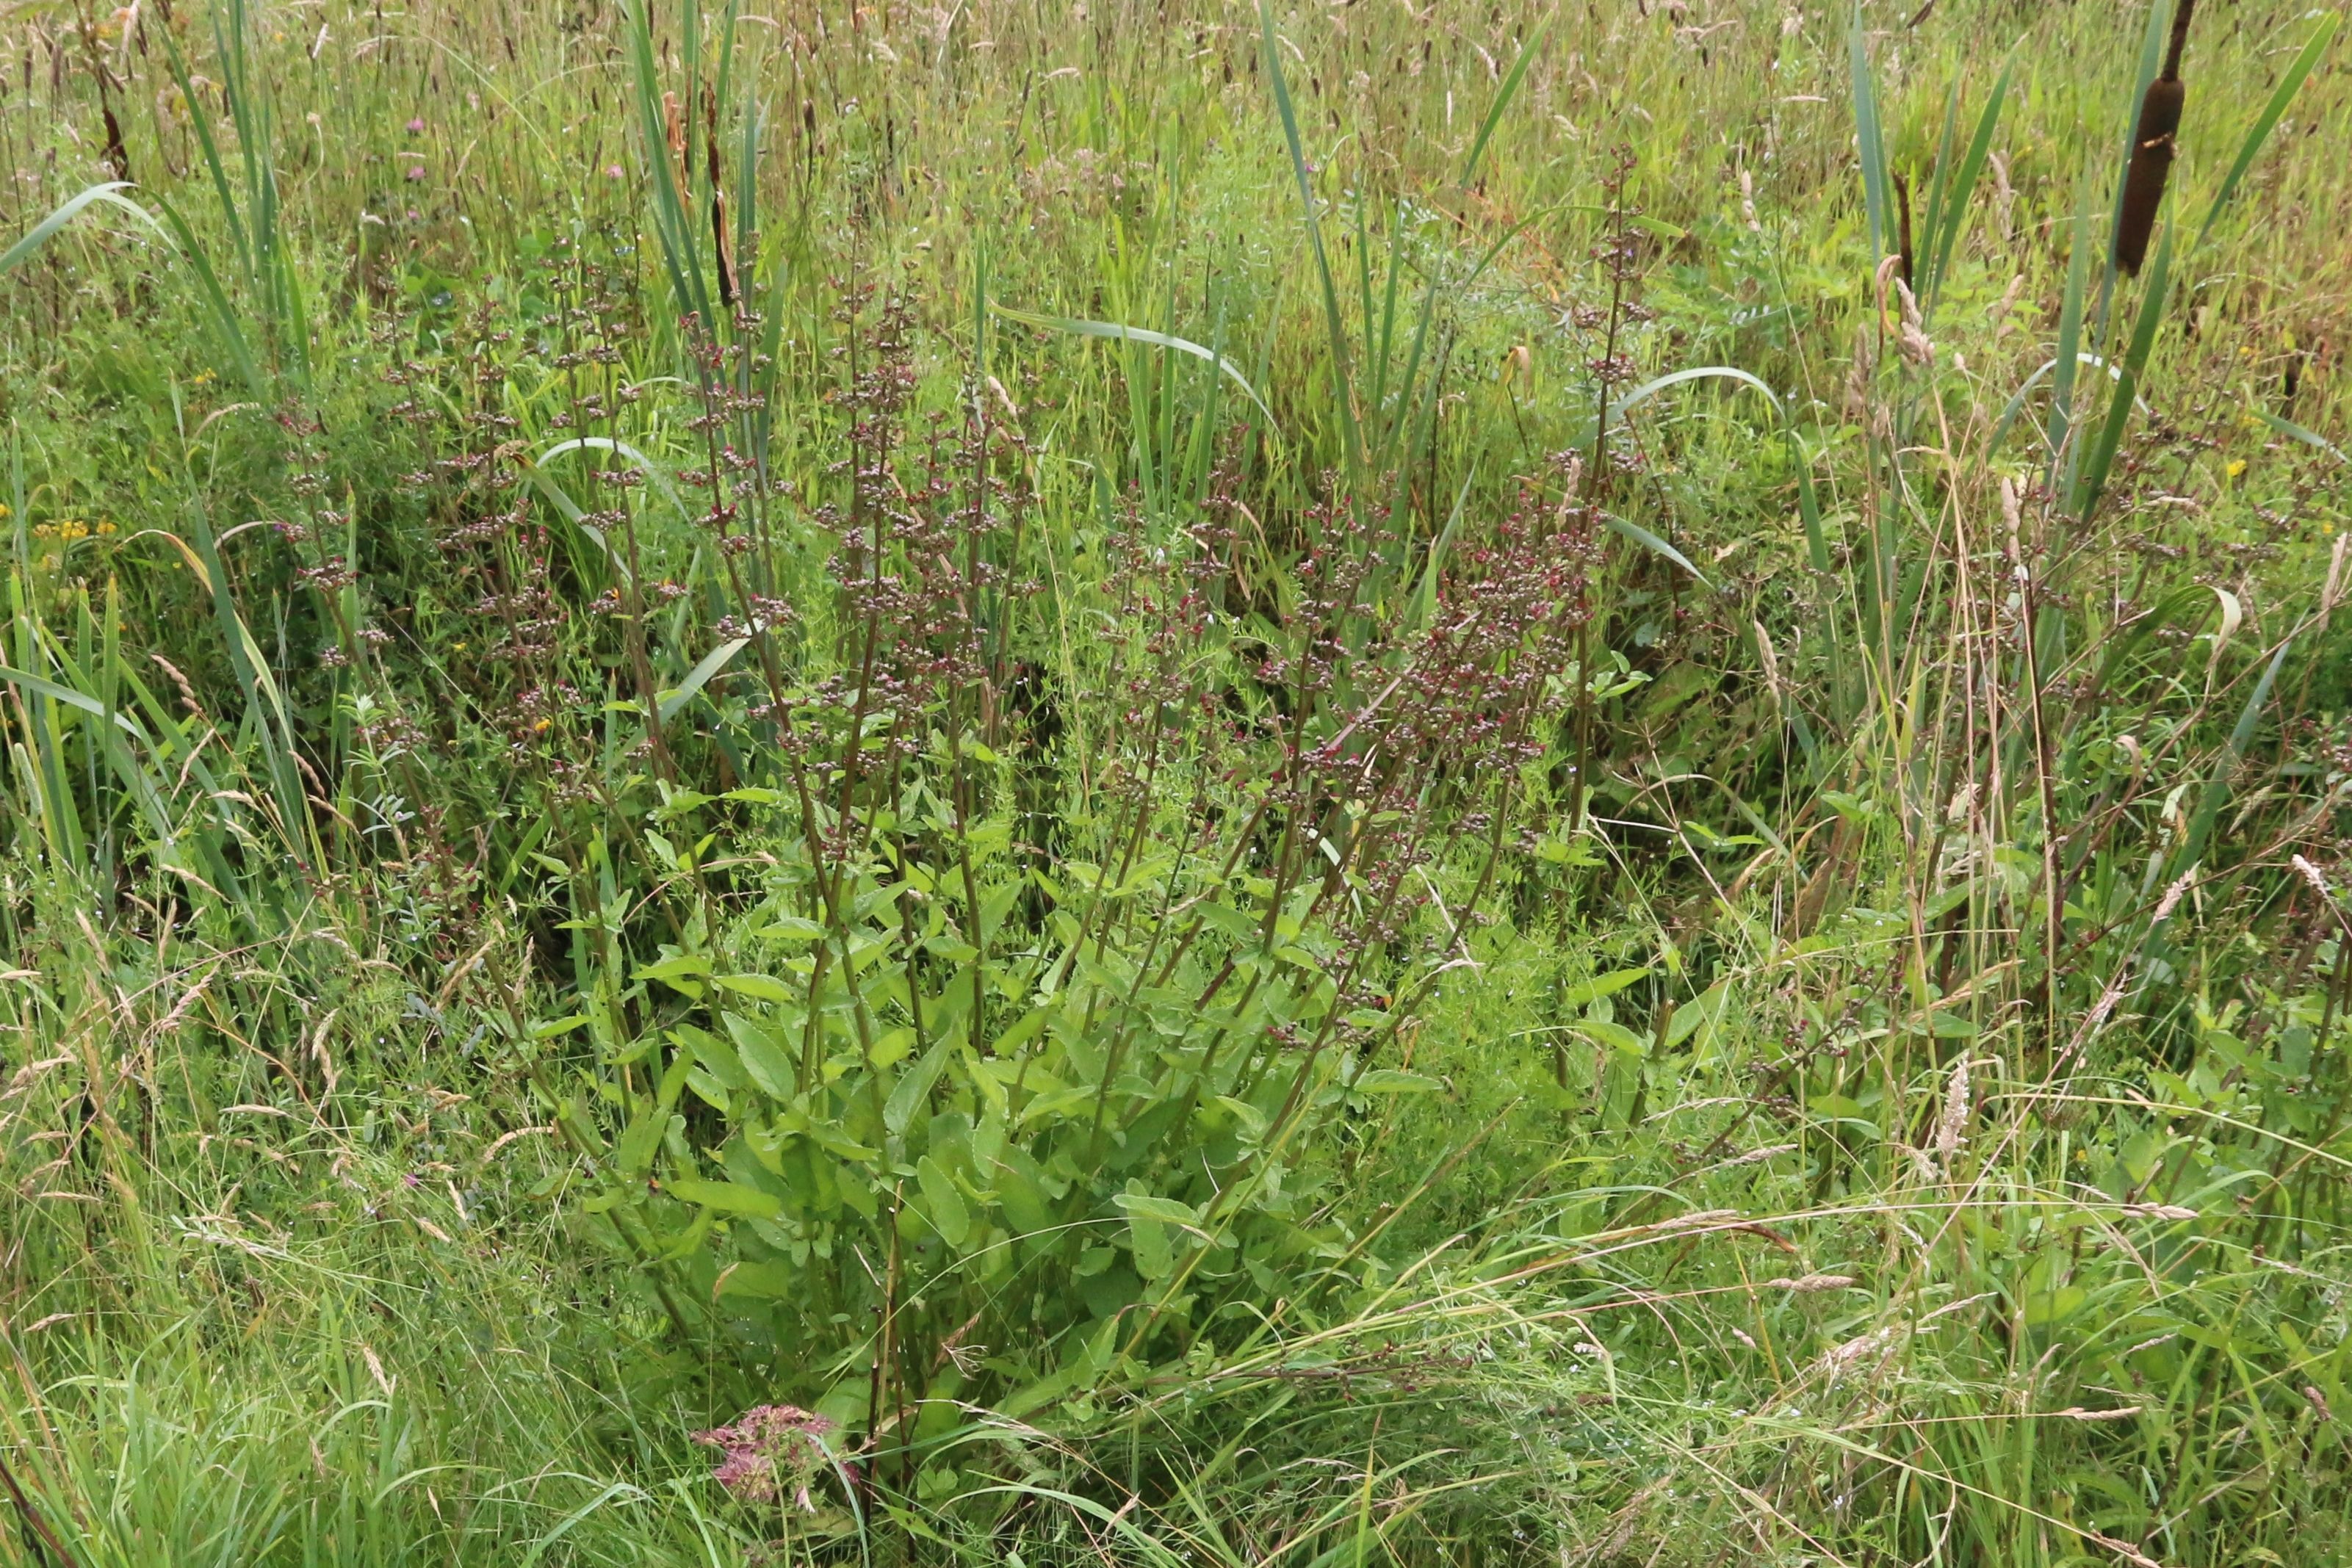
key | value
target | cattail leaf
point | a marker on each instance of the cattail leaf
(681, 256)
(174, 234)
(109, 193)
(1334, 332)
(2101, 456)
(1940, 182)
(1944, 232)
(644, 465)
(699, 677)
(1697, 372)
(2016, 405)
(2268, 121)
(2070, 341)
(82, 701)
(1809, 507)
(2216, 788)
(1869, 142)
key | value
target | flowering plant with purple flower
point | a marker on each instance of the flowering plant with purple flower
(772, 1450)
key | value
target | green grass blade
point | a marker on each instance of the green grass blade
(1424, 598)
(1808, 506)
(1503, 96)
(58, 692)
(681, 257)
(1655, 545)
(2289, 428)
(647, 465)
(201, 123)
(1939, 187)
(1117, 332)
(1728, 372)
(2217, 788)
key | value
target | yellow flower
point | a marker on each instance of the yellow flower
(106, 527)
(2235, 469)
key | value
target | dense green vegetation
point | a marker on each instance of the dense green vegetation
(1174, 784)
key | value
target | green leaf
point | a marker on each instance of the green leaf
(728, 1197)
(1167, 1210)
(1956, 203)
(717, 1059)
(2288, 427)
(766, 1061)
(1868, 138)
(760, 988)
(914, 1087)
(1148, 1220)
(1023, 1203)
(2102, 453)
(792, 928)
(1395, 1081)
(766, 1281)
(943, 1206)
(1599, 985)
(675, 966)
(1615, 1036)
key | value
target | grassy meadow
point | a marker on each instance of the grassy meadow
(1175, 783)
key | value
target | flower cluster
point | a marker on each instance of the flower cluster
(771, 1449)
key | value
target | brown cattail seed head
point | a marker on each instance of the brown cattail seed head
(2152, 146)
(2151, 165)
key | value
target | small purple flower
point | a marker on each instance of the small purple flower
(416, 170)
(768, 1448)
(417, 126)
(612, 171)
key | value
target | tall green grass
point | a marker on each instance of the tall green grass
(1884, 1102)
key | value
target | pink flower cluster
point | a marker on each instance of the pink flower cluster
(769, 1447)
